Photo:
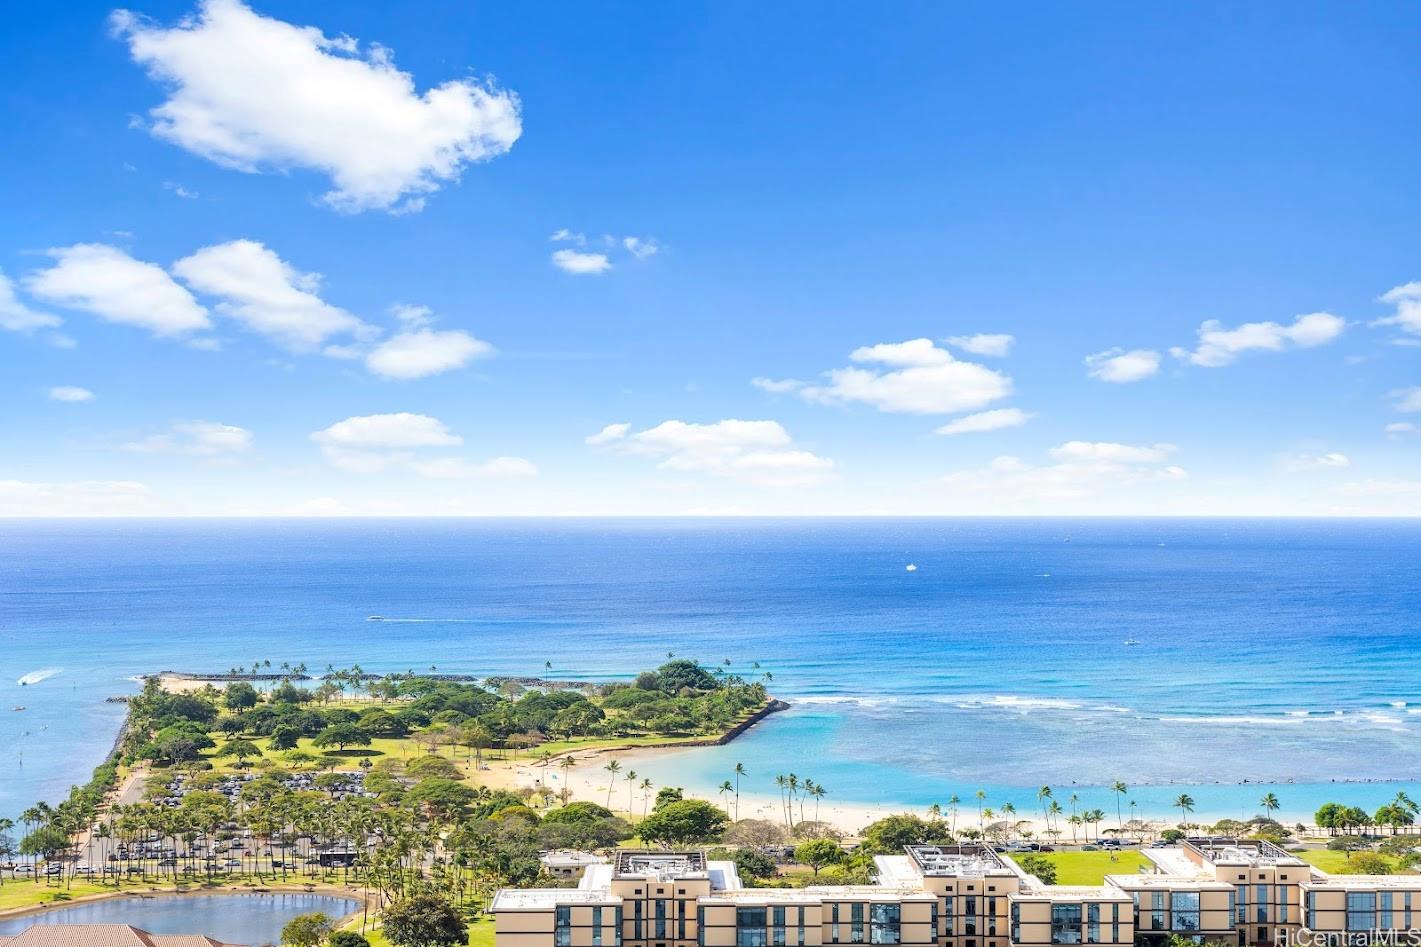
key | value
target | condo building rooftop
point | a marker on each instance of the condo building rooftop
(1253, 853)
(662, 865)
(956, 861)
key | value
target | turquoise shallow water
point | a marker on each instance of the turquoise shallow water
(1277, 652)
(254, 919)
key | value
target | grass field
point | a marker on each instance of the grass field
(480, 934)
(27, 894)
(1336, 863)
(1090, 868)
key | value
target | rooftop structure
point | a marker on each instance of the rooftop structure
(102, 935)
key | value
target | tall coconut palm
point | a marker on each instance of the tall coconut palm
(1042, 795)
(631, 784)
(1120, 789)
(739, 771)
(1185, 804)
(981, 796)
(566, 765)
(614, 768)
(818, 792)
(726, 787)
(952, 803)
(1269, 802)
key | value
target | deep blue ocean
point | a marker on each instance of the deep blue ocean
(1274, 652)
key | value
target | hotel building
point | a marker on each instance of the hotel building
(1232, 891)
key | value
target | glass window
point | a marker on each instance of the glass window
(1065, 923)
(1361, 910)
(1242, 903)
(856, 923)
(660, 917)
(991, 917)
(885, 923)
(1186, 911)
(1384, 920)
(949, 928)
(1311, 907)
(1015, 922)
(750, 927)
(562, 930)
(1158, 922)
(1261, 903)
(969, 916)
(596, 927)
(1092, 924)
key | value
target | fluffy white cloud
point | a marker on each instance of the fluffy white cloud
(612, 432)
(640, 247)
(1121, 367)
(107, 282)
(266, 294)
(252, 92)
(70, 393)
(1109, 452)
(1082, 470)
(1220, 346)
(986, 421)
(1400, 429)
(196, 439)
(777, 386)
(753, 452)
(579, 263)
(984, 343)
(82, 498)
(1407, 300)
(916, 377)
(1329, 461)
(457, 468)
(424, 352)
(1408, 400)
(16, 316)
(401, 430)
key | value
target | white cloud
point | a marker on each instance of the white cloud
(412, 317)
(1220, 346)
(1082, 471)
(777, 387)
(1400, 428)
(997, 344)
(579, 263)
(82, 498)
(16, 316)
(1329, 461)
(196, 439)
(640, 247)
(70, 393)
(112, 285)
(457, 468)
(373, 442)
(252, 92)
(564, 235)
(424, 352)
(180, 191)
(1109, 452)
(753, 452)
(612, 432)
(984, 421)
(267, 295)
(1407, 299)
(1408, 400)
(1121, 367)
(921, 378)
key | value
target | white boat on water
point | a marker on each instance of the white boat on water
(911, 567)
(1131, 641)
(376, 618)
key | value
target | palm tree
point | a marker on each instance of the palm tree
(1074, 820)
(631, 784)
(981, 795)
(1042, 795)
(1185, 804)
(781, 782)
(614, 768)
(726, 787)
(818, 792)
(1269, 802)
(1120, 789)
(952, 803)
(645, 796)
(739, 771)
(566, 765)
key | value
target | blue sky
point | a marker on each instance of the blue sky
(301, 258)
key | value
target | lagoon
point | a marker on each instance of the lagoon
(251, 919)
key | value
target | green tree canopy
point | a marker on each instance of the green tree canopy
(424, 920)
(683, 822)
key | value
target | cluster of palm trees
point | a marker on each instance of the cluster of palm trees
(793, 790)
(630, 777)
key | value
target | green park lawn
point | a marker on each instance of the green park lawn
(1090, 868)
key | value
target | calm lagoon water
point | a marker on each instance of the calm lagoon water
(1281, 653)
(254, 919)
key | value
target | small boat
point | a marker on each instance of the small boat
(376, 618)
(911, 568)
(1131, 641)
(17, 709)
